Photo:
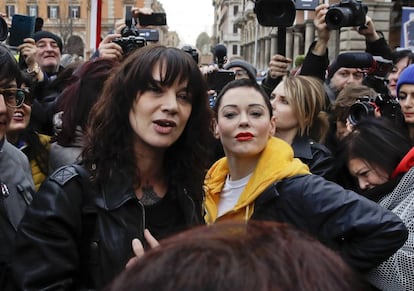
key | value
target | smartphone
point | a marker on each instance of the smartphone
(216, 80)
(149, 34)
(155, 18)
(22, 27)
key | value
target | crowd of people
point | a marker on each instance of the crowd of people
(121, 172)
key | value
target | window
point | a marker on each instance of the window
(10, 10)
(235, 28)
(74, 11)
(234, 49)
(235, 10)
(32, 10)
(53, 12)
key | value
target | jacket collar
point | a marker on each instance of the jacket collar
(301, 147)
(117, 191)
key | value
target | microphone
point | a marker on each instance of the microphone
(220, 55)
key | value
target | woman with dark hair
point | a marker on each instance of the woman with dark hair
(16, 182)
(143, 164)
(74, 105)
(259, 179)
(381, 157)
(22, 135)
(258, 255)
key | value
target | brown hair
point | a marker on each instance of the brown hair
(109, 137)
(347, 97)
(257, 255)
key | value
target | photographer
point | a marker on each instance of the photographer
(316, 60)
(42, 56)
(112, 50)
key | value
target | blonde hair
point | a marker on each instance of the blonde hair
(306, 96)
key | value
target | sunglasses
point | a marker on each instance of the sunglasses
(15, 98)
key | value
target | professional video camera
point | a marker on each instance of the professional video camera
(366, 106)
(217, 79)
(346, 13)
(130, 39)
(192, 51)
(276, 13)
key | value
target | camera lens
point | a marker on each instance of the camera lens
(338, 17)
(360, 110)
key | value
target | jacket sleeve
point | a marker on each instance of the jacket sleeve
(46, 253)
(379, 48)
(314, 65)
(363, 232)
(269, 84)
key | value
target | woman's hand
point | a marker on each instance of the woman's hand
(139, 248)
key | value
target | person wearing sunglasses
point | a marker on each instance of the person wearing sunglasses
(22, 134)
(16, 183)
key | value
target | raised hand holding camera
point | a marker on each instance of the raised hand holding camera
(346, 13)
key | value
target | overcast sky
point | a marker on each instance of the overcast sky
(189, 18)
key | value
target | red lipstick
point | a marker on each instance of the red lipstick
(244, 136)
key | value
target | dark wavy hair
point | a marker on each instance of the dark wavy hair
(109, 138)
(9, 68)
(378, 141)
(80, 95)
(243, 256)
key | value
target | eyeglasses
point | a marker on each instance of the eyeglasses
(15, 98)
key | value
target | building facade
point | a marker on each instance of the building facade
(70, 19)
(236, 26)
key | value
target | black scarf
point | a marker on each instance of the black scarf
(375, 194)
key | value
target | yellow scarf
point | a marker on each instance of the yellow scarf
(275, 163)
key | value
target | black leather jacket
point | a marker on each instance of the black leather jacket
(317, 156)
(362, 232)
(63, 245)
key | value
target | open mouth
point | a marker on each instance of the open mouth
(165, 123)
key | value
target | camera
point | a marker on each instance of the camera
(130, 39)
(346, 13)
(276, 13)
(216, 80)
(155, 18)
(192, 51)
(377, 73)
(130, 43)
(366, 106)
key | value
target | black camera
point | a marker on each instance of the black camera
(216, 80)
(130, 43)
(365, 106)
(276, 13)
(377, 73)
(130, 39)
(192, 51)
(346, 13)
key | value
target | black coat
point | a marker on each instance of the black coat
(364, 233)
(61, 244)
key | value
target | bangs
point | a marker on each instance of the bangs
(174, 69)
